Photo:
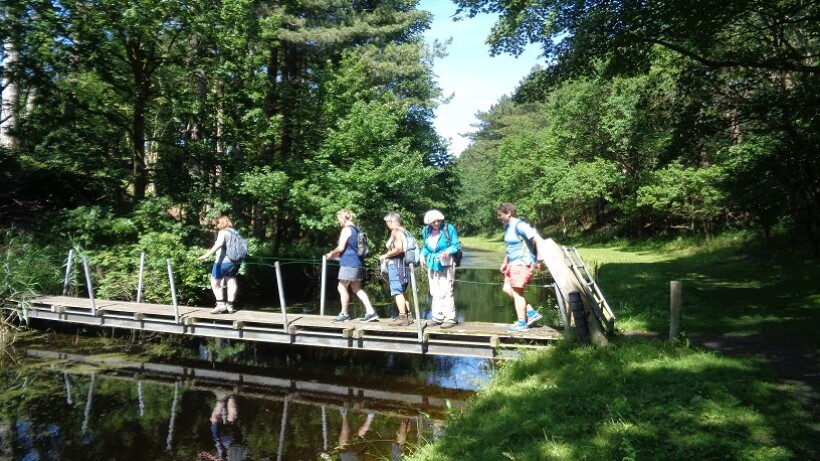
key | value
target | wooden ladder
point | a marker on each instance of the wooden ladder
(591, 289)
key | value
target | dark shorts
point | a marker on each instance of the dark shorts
(352, 274)
(220, 271)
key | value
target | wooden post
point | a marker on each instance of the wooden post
(173, 291)
(323, 287)
(416, 301)
(90, 286)
(675, 303)
(142, 272)
(281, 297)
(68, 271)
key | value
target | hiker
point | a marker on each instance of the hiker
(351, 268)
(520, 240)
(397, 272)
(356, 450)
(227, 436)
(224, 270)
(438, 256)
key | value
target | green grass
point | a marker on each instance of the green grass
(655, 400)
(633, 400)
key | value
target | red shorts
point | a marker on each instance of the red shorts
(518, 275)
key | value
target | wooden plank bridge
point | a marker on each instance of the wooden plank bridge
(468, 339)
(579, 302)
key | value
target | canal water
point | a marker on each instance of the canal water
(87, 394)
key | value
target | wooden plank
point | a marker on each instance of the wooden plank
(566, 280)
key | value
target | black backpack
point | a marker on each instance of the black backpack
(363, 248)
(236, 248)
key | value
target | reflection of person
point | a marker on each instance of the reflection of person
(347, 451)
(397, 272)
(519, 262)
(230, 445)
(440, 244)
(401, 439)
(351, 270)
(224, 270)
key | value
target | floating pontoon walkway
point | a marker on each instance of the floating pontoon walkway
(468, 339)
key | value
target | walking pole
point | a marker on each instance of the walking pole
(281, 297)
(68, 271)
(323, 289)
(90, 287)
(142, 272)
(173, 291)
(416, 301)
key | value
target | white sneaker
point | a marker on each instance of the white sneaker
(342, 317)
(534, 318)
(374, 317)
(219, 309)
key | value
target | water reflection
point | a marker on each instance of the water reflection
(69, 406)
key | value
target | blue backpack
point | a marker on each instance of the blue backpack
(236, 248)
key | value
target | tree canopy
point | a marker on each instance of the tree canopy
(657, 116)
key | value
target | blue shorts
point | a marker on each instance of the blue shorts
(397, 285)
(226, 269)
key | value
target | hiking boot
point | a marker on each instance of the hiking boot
(374, 317)
(533, 317)
(447, 324)
(402, 321)
(220, 308)
(518, 326)
(342, 317)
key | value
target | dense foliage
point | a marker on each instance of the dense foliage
(276, 112)
(654, 117)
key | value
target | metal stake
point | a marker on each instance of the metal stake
(68, 271)
(281, 297)
(323, 288)
(416, 301)
(142, 272)
(173, 291)
(90, 287)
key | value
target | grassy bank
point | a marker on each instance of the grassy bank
(647, 399)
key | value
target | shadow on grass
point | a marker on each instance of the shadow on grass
(634, 400)
(763, 301)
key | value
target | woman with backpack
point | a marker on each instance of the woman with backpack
(398, 274)
(351, 267)
(521, 241)
(440, 254)
(225, 270)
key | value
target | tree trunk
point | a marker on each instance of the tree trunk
(142, 85)
(10, 99)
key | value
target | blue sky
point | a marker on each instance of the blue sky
(475, 79)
